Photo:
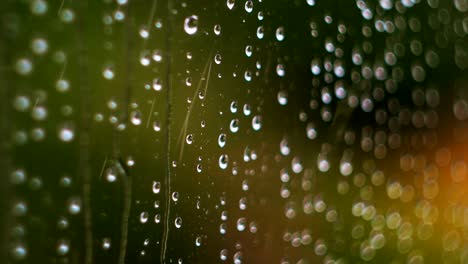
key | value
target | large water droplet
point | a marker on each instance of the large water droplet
(191, 24)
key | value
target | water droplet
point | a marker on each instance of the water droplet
(157, 84)
(144, 32)
(175, 196)
(106, 243)
(39, 113)
(222, 228)
(178, 222)
(280, 71)
(223, 161)
(156, 126)
(189, 139)
(217, 29)
(39, 46)
(247, 111)
(260, 32)
(135, 117)
(62, 85)
(198, 241)
(145, 59)
(282, 97)
(222, 140)
(280, 34)
(284, 147)
(144, 217)
(310, 131)
(20, 208)
(257, 122)
(24, 66)
(217, 58)
(248, 50)
(67, 15)
(230, 4)
(157, 218)
(38, 7)
(241, 224)
(191, 24)
(156, 187)
(234, 125)
(248, 6)
(108, 73)
(248, 76)
(66, 134)
(22, 103)
(74, 206)
(63, 248)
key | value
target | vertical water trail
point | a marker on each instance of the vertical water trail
(5, 146)
(84, 160)
(183, 132)
(125, 174)
(167, 180)
(127, 192)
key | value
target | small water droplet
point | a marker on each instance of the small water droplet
(223, 161)
(156, 187)
(222, 140)
(178, 222)
(280, 34)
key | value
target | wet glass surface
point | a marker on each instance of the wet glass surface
(257, 131)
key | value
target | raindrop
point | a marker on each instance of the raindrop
(249, 6)
(234, 125)
(23, 66)
(223, 161)
(157, 85)
(144, 217)
(191, 24)
(178, 222)
(217, 58)
(280, 71)
(39, 46)
(233, 107)
(63, 248)
(189, 139)
(66, 134)
(282, 97)
(284, 147)
(230, 4)
(22, 103)
(222, 140)
(38, 7)
(135, 117)
(248, 76)
(217, 29)
(74, 206)
(157, 56)
(248, 50)
(156, 187)
(280, 34)
(106, 243)
(62, 85)
(247, 111)
(198, 241)
(260, 32)
(175, 196)
(108, 73)
(257, 122)
(241, 224)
